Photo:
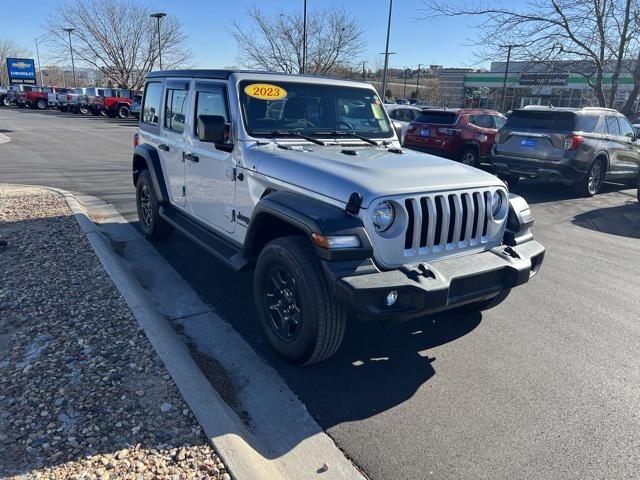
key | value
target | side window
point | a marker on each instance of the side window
(395, 114)
(498, 121)
(482, 121)
(175, 110)
(625, 128)
(406, 115)
(212, 101)
(612, 126)
(152, 100)
(587, 123)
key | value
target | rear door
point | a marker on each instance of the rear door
(628, 161)
(210, 168)
(535, 134)
(173, 140)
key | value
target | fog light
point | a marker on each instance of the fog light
(392, 297)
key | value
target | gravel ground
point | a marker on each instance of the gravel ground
(82, 392)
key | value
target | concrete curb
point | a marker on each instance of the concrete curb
(273, 446)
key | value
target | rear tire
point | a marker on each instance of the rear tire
(122, 112)
(151, 224)
(485, 304)
(469, 156)
(592, 181)
(41, 104)
(300, 317)
(6, 101)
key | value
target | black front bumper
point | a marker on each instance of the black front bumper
(432, 287)
(552, 171)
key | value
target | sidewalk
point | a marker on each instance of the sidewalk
(82, 392)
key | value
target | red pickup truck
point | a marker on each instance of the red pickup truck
(115, 103)
(39, 98)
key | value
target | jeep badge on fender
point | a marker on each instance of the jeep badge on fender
(332, 215)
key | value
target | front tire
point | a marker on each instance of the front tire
(486, 304)
(122, 112)
(41, 104)
(152, 225)
(6, 101)
(592, 181)
(300, 317)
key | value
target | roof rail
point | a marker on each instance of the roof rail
(601, 108)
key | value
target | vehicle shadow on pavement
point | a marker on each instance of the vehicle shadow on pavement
(538, 192)
(129, 122)
(622, 220)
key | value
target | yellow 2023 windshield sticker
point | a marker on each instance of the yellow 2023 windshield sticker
(265, 91)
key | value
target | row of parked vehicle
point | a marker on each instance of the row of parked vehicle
(111, 102)
(583, 147)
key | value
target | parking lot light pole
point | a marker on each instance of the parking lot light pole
(159, 16)
(38, 58)
(304, 39)
(506, 73)
(386, 55)
(418, 83)
(73, 66)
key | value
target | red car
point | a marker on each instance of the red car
(466, 135)
(113, 103)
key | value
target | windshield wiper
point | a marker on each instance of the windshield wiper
(345, 133)
(285, 133)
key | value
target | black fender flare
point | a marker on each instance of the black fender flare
(149, 155)
(306, 215)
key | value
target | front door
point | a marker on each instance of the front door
(209, 168)
(176, 109)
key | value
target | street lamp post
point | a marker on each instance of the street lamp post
(404, 89)
(506, 73)
(304, 39)
(418, 82)
(38, 58)
(73, 66)
(159, 16)
(386, 54)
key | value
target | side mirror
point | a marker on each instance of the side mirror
(211, 128)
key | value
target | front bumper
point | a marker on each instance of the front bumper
(552, 171)
(432, 287)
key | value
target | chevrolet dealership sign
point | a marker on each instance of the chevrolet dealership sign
(21, 71)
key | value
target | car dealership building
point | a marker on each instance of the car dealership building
(561, 84)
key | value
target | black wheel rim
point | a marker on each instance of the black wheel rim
(469, 158)
(145, 205)
(282, 305)
(595, 178)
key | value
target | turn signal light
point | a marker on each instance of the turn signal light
(136, 140)
(573, 142)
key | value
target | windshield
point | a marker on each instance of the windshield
(282, 108)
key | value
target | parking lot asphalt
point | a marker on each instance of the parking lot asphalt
(545, 386)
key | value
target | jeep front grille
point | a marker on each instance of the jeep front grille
(446, 221)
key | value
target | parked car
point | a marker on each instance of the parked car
(116, 102)
(583, 147)
(135, 106)
(401, 116)
(466, 135)
(71, 100)
(14, 91)
(329, 211)
(53, 94)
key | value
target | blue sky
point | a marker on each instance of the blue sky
(206, 24)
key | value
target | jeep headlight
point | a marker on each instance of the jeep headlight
(383, 215)
(496, 202)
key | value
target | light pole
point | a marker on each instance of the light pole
(404, 89)
(364, 64)
(506, 73)
(304, 38)
(73, 66)
(42, 37)
(159, 16)
(386, 54)
(418, 82)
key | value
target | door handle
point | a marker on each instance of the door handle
(190, 156)
(164, 146)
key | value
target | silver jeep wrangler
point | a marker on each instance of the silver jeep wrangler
(303, 180)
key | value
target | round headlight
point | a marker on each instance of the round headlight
(383, 215)
(496, 202)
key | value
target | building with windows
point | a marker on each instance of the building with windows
(561, 84)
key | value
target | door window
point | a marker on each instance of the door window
(212, 101)
(152, 99)
(612, 126)
(498, 121)
(175, 110)
(483, 121)
(625, 128)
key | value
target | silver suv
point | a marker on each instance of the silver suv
(582, 147)
(303, 180)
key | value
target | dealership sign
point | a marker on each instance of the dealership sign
(544, 79)
(21, 71)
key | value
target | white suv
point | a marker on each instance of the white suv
(303, 179)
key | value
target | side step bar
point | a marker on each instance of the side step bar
(207, 239)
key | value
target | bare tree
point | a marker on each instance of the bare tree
(8, 49)
(117, 37)
(593, 37)
(334, 40)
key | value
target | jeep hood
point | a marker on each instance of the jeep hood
(374, 172)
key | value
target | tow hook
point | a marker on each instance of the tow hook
(511, 252)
